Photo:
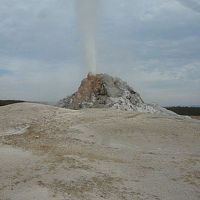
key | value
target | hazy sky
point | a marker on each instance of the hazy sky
(154, 45)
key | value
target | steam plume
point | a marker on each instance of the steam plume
(87, 14)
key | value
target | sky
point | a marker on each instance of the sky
(154, 45)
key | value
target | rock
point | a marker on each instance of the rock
(104, 91)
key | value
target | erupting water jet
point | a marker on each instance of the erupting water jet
(87, 14)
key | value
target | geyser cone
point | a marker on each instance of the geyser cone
(104, 91)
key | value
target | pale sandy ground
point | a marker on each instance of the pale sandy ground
(49, 153)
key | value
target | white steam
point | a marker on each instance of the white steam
(87, 15)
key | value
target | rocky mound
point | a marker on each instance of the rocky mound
(104, 91)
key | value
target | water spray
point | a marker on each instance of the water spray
(87, 15)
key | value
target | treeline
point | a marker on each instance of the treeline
(190, 111)
(7, 102)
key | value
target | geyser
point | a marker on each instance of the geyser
(104, 91)
(87, 15)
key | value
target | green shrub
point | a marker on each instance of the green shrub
(190, 111)
(7, 102)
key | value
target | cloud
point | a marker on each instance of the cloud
(39, 81)
(153, 45)
(192, 4)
